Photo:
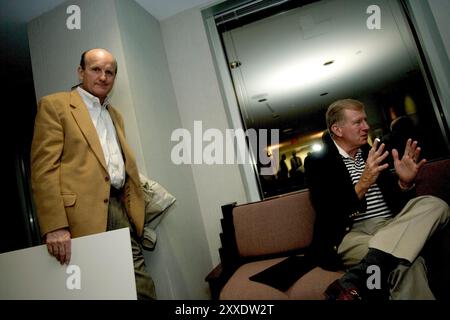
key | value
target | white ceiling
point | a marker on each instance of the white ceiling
(22, 11)
(162, 9)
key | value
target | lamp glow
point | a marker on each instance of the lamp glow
(316, 147)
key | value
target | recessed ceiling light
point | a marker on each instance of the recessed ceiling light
(323, 94)
(328, 62)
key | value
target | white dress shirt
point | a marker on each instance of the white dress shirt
(107, 136)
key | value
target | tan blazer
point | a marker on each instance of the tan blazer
(69, 176)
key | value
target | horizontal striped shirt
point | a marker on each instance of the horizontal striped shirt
(376, 205)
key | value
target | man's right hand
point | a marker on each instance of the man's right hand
(59, 245)
(372, 169)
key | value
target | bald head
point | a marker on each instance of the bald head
(85, 55)
(97, 72)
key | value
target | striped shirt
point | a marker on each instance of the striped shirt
(376, 205)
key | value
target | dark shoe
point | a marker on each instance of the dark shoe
(353, 284)
(340, 291)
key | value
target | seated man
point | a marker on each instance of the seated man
(367, 216)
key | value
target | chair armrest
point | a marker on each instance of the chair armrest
(217, 278)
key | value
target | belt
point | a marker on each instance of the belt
(115, 193)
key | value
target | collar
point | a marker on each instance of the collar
(90, 97)
(341, 151)
(336, 150)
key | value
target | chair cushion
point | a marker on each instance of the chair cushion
(313, 284)
(309, 287)
(275, 225)
(284, 274)
(240, 287)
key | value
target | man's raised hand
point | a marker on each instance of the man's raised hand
(372, 169)
(408, 166)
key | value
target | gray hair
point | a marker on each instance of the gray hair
(335, 112)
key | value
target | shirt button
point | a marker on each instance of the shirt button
(106, 179)
(105, 200)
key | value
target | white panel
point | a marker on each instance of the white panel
(102, 263)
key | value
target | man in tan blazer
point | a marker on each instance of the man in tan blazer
(84, 175)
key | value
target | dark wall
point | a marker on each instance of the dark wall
(18, 228)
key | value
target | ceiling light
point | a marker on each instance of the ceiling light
(304, 75)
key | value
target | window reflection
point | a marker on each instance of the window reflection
(288, 62)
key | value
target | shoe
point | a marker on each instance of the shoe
(338, 291)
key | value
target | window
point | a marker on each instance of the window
(288, 60)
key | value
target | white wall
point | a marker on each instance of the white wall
(199, 98)
(144, 94)
(181, 260)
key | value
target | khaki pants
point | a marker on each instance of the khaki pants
(117, 219)
(404, 237)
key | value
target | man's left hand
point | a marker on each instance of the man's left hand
(408, 166)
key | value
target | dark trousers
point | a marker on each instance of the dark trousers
(117, 219)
